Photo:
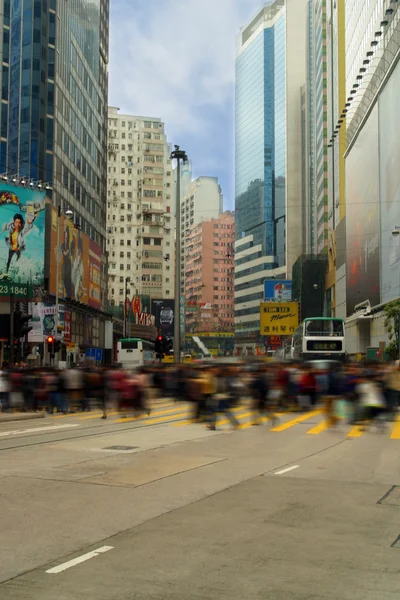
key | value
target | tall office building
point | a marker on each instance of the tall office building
(202, 200)
(317, 124)
(270, 220)
(336, 147)
(372, 127)
(54, 102)
(140, 219)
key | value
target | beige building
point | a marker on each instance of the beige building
(201, 200)
(140, 219)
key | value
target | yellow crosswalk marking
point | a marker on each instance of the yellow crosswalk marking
(356, 431)
(323, 426)
(296, 421)
(171, 412)
(395, 435)
(161, 419)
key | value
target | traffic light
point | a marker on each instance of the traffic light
(50, 344)
(167, 345)
(21, 327)
(159, 346)
(57, 346)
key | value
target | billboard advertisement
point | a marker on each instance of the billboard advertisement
(164, 313)
(278, 290)
(389, 156)
(22, 226)
(43, 322)
(279, 318)
(362, 217)
(79, 262)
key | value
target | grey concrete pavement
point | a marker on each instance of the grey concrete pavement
(10, 417)
(197, 514)
(269, 537)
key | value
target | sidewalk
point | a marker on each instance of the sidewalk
(16, 416)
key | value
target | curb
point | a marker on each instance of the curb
(9, 417)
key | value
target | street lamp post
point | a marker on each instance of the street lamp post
(395, 234)
(127, 281)
(179, 155)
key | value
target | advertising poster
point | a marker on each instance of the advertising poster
(163, 311)
(22, 227)
(94, 274)
(279, 318)
(389, 155)
(79, 263)
(278, 290)
(43, 321)
(362, 217)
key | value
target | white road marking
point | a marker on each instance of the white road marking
(287, 470)
(79, 560)
(35, 429)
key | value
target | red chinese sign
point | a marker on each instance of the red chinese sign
(67, 326)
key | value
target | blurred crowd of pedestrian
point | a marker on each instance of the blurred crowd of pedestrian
(354, 391)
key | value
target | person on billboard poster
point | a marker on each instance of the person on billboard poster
(77, 267)
(17, 230)
(67, 263)
(21, 257)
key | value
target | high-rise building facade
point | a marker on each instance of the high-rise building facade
(320, 134)
(270, 220)
(54, 102)
(372, 154)
(209, 276)
(140, 219)
(336, 149)
(201, 200)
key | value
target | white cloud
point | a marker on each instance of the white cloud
(175, 58)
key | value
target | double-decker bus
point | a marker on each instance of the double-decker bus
(135, 352)
(319, 338)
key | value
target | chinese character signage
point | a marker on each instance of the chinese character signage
(22, 227)
(67, 326)
(278, 290)
(279, 318)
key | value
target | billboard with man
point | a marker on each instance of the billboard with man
(22, 226)
(79, 262)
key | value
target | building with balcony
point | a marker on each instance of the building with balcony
(201, 200)
(209, 277)
(140, 220)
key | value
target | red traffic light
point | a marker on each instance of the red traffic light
(50, 339)
(160, 338)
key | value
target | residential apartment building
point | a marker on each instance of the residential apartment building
(202, 200)
(209, 303)
(270, 220)
(54, 83)
(140, 219)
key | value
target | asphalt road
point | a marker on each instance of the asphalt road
(162, 509)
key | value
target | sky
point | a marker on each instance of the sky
(175, 59)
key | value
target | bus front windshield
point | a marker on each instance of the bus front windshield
(319, 327)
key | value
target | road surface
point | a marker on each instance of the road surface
(159, 508)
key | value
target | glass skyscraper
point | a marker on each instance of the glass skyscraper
(54, 102)
(270, 70)
(261, 137)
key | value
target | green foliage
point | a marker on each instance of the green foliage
(392, 325)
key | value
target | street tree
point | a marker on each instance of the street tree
(392, 326)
